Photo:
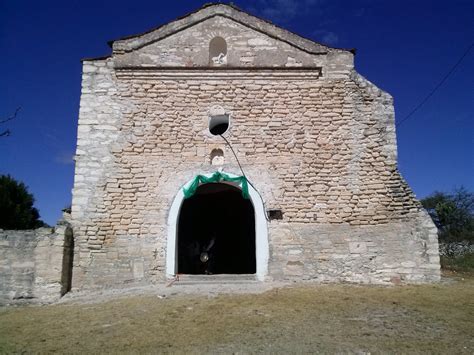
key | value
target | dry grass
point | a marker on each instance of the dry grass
(325, 318)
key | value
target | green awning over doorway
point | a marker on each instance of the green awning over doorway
(241, 182)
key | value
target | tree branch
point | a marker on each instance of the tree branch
(12, 116)
(7, 132)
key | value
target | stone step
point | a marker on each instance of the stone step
(220, 279)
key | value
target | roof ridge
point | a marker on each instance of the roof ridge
(274, 27)
(206, 5)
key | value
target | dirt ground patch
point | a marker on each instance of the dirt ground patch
(299, 318)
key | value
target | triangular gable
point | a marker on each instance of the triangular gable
(135, 42)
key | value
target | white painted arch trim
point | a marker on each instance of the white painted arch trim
(261, 231)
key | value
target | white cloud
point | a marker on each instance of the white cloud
(326, 37)
(330, 38)
(359, 12)
(279, 9)
(64, 157)
(284, 10)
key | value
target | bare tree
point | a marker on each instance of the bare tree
(6, 132)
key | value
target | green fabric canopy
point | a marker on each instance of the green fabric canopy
(216, 177)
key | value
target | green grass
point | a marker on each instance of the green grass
(458, 264)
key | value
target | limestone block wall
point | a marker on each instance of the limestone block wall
(321, 148)
(245, 48)
(404, 251)
(315, 138)
(31, 264)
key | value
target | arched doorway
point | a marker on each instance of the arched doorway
(260, 222)
(216, 232)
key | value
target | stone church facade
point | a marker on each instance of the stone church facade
(220, 143)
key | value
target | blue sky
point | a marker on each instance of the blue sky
(404, 47)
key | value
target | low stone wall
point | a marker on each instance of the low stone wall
(396, 252)
(31, 264)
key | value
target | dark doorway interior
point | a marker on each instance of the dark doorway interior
(216, 232)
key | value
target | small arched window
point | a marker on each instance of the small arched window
(217, 51)
(217, 157)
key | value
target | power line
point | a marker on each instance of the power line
(246, 178)
(417, 107)
(235, 155)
